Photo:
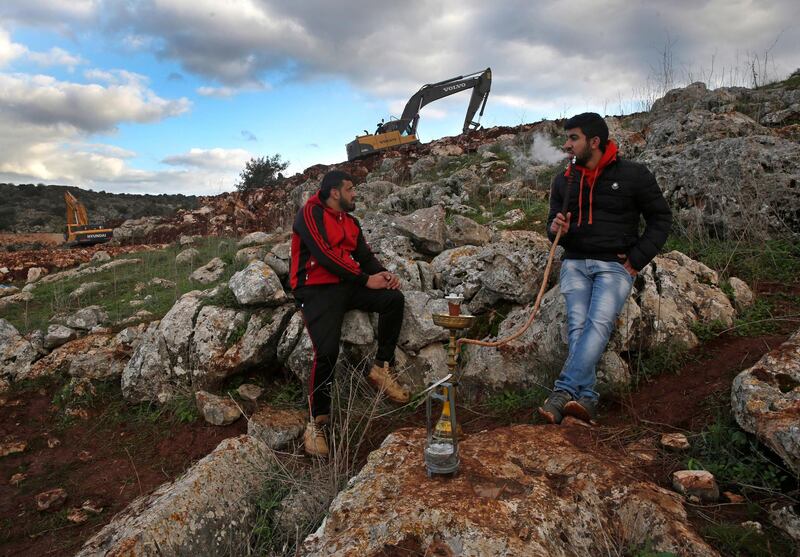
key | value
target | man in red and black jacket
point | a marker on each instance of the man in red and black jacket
(333, 271)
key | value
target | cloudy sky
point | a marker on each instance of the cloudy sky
(174, 96)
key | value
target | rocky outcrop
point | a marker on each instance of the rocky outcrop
(257, 284)
(210, 272)
(209, 511)
(766, 401)
(522, 490)
(16, 352)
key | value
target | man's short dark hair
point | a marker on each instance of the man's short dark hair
(592, 125)
(332, 179)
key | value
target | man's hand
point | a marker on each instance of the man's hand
(392, 281)
(627, 264)
(560, 222)
(383, 281)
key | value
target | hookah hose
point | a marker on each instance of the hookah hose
(545, 277)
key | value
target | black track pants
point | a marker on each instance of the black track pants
(323, 309)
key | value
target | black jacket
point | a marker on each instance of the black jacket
(622, 192)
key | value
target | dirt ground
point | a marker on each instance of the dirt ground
(114, 453)
(44, 238)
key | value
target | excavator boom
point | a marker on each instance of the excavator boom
(403, 130)
(78, 229)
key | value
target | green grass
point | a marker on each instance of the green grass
(734, 457)
(773, 260)
(511, 401)
(265, 534)
(669, 357)
(119, 286)
(738, 540)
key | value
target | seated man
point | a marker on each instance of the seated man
(333, 271)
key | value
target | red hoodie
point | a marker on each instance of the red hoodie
(328, 247)
(590, 176)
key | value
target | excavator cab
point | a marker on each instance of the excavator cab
(403, 131)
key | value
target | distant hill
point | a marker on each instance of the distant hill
(41, 208)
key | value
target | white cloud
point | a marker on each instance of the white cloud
(211, 159)
(56, 57)
(8, 49)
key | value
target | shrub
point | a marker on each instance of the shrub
(262, 172)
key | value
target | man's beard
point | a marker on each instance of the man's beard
(583, 157)
(347, 207)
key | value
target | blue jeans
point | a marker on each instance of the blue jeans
(595, 292)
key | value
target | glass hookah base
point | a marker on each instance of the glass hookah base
(440, 458)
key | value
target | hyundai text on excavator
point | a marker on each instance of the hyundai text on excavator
(78, 230)
(403, 130)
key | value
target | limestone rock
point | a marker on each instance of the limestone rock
(257, 284)
(521, 490)
(418, 328)
(206, 512)
(51, 500)
(425, 227)
(16, 353)
(217, 410)
(276, 427)
(58, 335)
(250, 392)
(101, 257)
(85, 289)
(254, 239)
(766, 397)
(463, 231)
(742, 295)
(12, 447)
(252, 253)
(787, 520)
(35, 273)
(87, 318)
(210, 272)
(696, 483)
(187, 256)
(675, 442)
(95, 356)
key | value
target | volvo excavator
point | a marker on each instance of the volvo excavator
(78, 230)
(403, 131)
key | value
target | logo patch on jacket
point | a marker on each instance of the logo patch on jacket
(615, 186)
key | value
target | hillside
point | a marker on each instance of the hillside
(41, 208)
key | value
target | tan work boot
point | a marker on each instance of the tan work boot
(314, 441)
(381, 378)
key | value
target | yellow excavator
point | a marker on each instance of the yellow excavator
(403, 130)
(78, 230)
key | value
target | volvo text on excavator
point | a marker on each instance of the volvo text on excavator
(403, 130)
(78, 230)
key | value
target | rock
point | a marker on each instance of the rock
(87, 318)
(257, 284)
(276, 427)
(743, 297)
(753, 526)
(17, 479)
(425, 227)
(512, 218)
(77, 516)
(185, 241)
(35, 273)
(53, 442)
(84, 289)
(187, 257)
(446, 150)
(253, 253)
(16, 353)
(12, 447)
(418, 329)
(463, 231)
(208, 511)
(161, 283)
(101, 257)
(290, 337)
(51, 500)
(8, 290)
(255, 239)
(786, 519)
(217, 410)
(250, 392)
(734, 498)
(696, 483)
(521, 490)
(675, 442)
(210, 272)
(765, 397)
(142, 229)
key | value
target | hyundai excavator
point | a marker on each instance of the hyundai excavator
(78, 230)
(403, 131)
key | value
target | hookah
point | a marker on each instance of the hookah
(441, 446)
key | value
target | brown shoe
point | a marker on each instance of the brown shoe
(314, 441)
(382, 378)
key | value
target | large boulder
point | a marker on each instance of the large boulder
(208, 511)
(87, 318)
(210, 272)
(463, 231)
(418, 328)
(95, 356)
(16, 352)
(521, 490)
(254, 239)
(257, 284)
(766, 400)
(425, 227)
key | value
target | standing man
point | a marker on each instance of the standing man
(333, 271)
(603, 252)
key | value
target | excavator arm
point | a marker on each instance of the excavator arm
(402, 131)
(78, 229)
(480, 82)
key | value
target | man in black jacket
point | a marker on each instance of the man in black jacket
(603, 253)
